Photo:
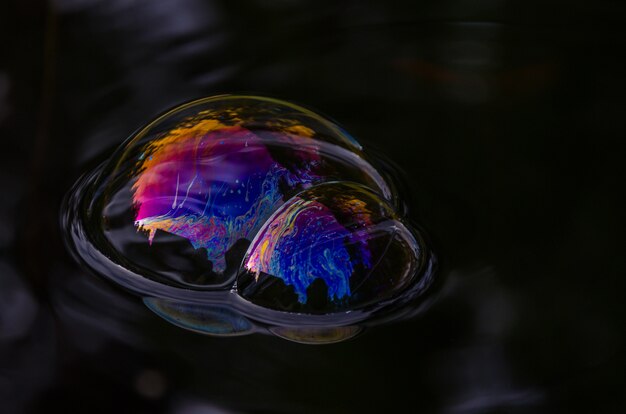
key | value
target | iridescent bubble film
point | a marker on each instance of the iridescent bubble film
(213, 177)
(247, 205)
(340, 236)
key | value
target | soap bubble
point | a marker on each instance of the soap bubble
(199, 182)
(184, 211)
(334, 247)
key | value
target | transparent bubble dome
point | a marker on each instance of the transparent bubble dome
(240, 211)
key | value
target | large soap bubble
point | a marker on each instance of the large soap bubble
(247, 205)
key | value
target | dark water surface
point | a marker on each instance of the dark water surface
(506, 117)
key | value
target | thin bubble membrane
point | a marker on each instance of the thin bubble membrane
(248, 209)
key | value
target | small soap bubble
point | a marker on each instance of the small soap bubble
(335, 247)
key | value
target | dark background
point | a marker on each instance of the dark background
(507, 118)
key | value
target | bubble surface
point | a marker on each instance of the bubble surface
(236, 210)
(211, 174)
(336, 246)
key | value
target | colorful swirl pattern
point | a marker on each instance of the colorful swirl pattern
(212, 185)
(218, 176)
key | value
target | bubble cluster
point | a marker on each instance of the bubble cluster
(236, 214)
